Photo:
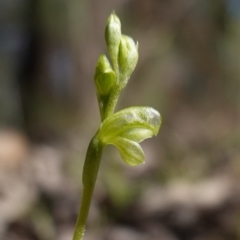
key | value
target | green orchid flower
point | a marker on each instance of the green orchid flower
(127, 128)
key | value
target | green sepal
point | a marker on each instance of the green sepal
(127, 58)
(126, 128)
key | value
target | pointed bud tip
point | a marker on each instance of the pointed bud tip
(137, 45)
(113, 18)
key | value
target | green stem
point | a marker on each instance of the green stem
(90, 170)
(112, 102)
(113, 98)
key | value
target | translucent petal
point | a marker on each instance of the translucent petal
(134, 123)
(137, 134)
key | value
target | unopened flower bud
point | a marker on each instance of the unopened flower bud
(127, 56)
(113, 36)
(104, 76)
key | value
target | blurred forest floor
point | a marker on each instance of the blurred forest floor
(188, 70)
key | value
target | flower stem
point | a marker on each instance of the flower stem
(90, 171)
(111, 103)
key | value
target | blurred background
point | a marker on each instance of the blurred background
(188, 70)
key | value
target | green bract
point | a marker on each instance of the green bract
(126, 128)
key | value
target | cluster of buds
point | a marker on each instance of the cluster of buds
(122, 49)
(123, 52)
